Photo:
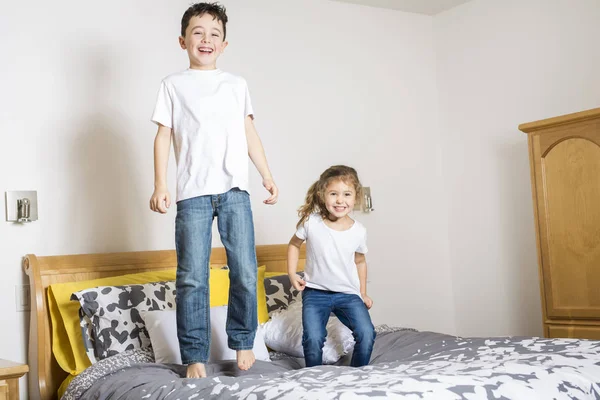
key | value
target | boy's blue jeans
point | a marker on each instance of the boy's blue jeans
(193, 237)
(350, 310)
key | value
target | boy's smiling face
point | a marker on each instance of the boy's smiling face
(203, 41)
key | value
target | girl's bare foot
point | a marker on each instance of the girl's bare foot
(196, 370)
(245, 359)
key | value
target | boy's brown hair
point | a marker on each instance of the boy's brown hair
(199, 9)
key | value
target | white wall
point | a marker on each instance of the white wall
(331, 83)
(499, 64)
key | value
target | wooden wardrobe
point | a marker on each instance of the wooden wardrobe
(564, 155)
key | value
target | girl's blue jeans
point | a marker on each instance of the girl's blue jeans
(193, 237)
(350, 309)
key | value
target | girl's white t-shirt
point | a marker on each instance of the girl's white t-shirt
(206, 111)
(330, 255)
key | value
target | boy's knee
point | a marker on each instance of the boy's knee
(192, 280)
(244, 280)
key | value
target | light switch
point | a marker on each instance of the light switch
(23, 296)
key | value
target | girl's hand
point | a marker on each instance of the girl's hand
(272, 188)
(160, 200)
(298, 283)
(367, 300)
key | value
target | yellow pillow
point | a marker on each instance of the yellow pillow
(261, 296)
(272, 274)
(219, 292)
(67, 342)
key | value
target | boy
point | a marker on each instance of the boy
(208, 115)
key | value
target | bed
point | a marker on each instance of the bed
(405, 363)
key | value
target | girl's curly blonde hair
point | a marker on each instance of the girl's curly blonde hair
(315, 197)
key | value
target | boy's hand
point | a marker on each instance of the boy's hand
(367, 300)
(160, 200)
(272, 188)
(298, 283)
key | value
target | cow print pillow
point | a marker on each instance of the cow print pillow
(280, 292)
(114, 313)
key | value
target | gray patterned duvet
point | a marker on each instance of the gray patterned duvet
(405, 365)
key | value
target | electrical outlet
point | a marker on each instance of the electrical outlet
(23, 297)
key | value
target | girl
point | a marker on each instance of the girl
(335, 275)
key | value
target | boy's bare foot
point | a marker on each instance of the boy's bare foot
(245, 359)
(196, 370)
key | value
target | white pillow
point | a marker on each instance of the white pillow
(162, 329)
(283, 333)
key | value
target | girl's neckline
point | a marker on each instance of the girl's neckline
(336, 230)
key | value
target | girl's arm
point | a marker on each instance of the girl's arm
(162, 144)
(293, 256)
(259, 159)
(361, 265)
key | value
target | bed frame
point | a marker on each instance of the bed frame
(45, 375)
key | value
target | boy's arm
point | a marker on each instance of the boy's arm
(361, 265)
(161, 199)
(257, 155)
(293, 256)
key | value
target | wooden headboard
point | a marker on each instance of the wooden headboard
(45, 375)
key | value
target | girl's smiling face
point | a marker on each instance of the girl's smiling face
(339, 198)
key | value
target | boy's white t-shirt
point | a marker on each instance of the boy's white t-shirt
(330, 255)
(206, 110)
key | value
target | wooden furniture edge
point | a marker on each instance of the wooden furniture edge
(531, 127)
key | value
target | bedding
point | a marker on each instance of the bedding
(115, 314)
(279, 291)
(162, 329)
(48, 357)
(67, 340)
(405, 364)
(109, 319)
